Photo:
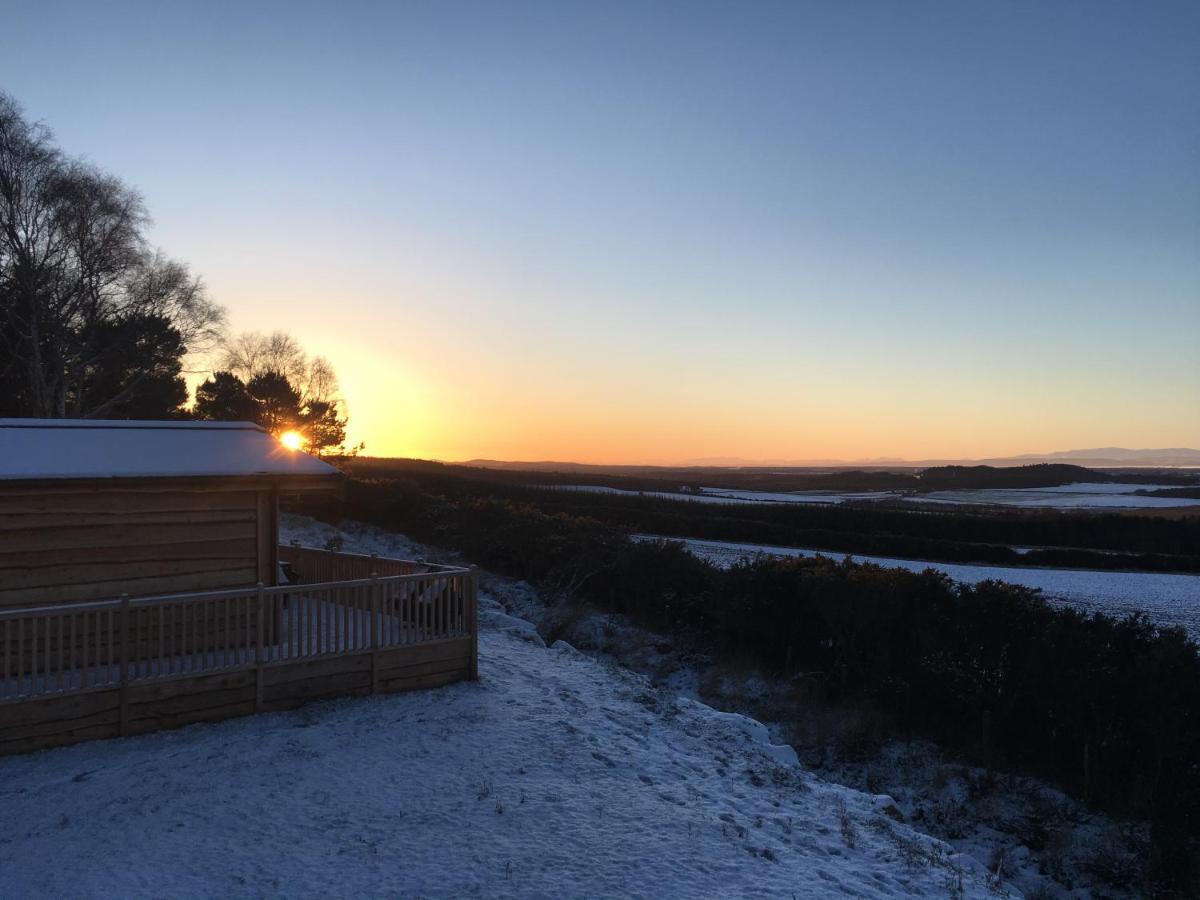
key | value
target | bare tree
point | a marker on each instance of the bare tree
(322, 384)
(285, 388)
(251, 354)
(75, 267)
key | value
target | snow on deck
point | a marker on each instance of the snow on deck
(82, 448)
(555, 775)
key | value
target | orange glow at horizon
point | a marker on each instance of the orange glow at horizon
(521, 417)
(575, 387)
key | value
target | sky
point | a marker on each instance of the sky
(658, 232)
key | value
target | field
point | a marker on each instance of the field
(726, 497)
(1167, 599)
(1066, 497)
(553, 776)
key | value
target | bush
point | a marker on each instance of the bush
(1109, 709)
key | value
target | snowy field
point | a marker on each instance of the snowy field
(1066, 496)
(721, 495)
(1166, 599)
(556, 775)
(1069, 496)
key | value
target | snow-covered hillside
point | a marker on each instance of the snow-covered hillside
(555, 775)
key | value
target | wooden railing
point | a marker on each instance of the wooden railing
(315, 566)
(376, 604)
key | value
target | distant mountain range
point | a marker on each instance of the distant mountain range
(1172, 456)
(1094, 458)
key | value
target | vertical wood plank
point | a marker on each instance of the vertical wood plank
(258, 650)
(473, 618)
(124, 688)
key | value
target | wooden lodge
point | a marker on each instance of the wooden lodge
(141, 586)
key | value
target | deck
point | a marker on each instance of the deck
(351, 625)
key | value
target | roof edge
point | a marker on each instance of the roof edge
(132, 424)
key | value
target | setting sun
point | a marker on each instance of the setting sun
(293, 440)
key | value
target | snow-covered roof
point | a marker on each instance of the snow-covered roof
(84, 448)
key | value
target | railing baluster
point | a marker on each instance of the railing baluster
(7, 655)
(361, 621)
(314, 603)
(33, 655)
(406, 613)
(84, 631)
(320, 623)
(347, 638)
(337, 609)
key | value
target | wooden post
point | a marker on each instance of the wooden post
(375, 624)
(124, 688)
(258, 648)
(473, 618)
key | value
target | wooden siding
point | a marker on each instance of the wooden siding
(67, 543)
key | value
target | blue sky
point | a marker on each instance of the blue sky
(623, 232)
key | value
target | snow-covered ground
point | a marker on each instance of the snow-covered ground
(726, 496)
(1068, 496)
(555, 775)
(1168, 599)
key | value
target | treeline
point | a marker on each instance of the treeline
(904, 479)
(1110, 710)
(1084, 540)
(270, 380)
(957, 478)
(97, 323)
(94, 321)
(1180, 493)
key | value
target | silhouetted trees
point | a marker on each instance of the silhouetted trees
(271, 381)
(250, 354)
(224, 398)
(278, 402)
(93, 321)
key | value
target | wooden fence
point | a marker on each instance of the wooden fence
(325, 565)
(82, 670)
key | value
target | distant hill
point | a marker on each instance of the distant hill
(774, 479)
(1096, 458)
(1105, 457)
(951, 478)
